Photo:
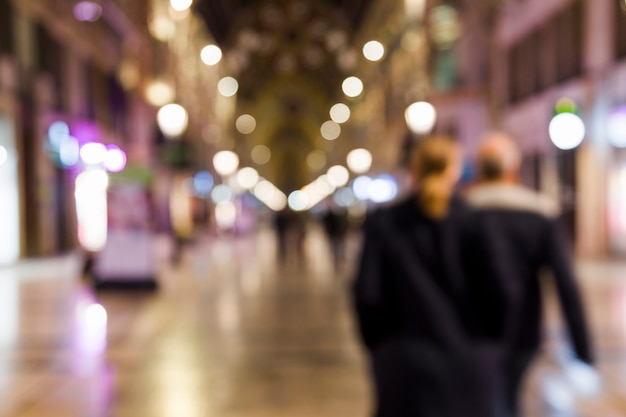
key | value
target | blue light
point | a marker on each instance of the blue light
(203, 183)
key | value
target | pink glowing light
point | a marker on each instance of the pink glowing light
(87, 11)
(115, 159)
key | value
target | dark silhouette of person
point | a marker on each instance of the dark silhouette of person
(291, 233)
(534, 240)
(413, 297)
(335, 222)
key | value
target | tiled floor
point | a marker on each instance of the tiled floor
(231, 333)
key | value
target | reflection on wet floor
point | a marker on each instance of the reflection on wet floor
(233, 333)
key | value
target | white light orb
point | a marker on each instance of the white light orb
(420, 117)
(338, 175)
(95, 316)
(69, 152)
(340, 113)
(359, 160)
(93, 153)
(228, 86)
(330, 130)
(180, 5)
(616, 127)
(159, 93)
(323, 185)
(382, 189)
(566, 130)
(222, 193)
(225, 162)
(316, 160)
(162, 28)
(360, 186)
(344, 197)
(172, 120)
(211, 55)
(352, 86)
(247, 178)
(373, 51)
(4, 155)
(225, 214)
(245, 124)
(115, 159)
(261, 154)
(58, 131)
(298, 200)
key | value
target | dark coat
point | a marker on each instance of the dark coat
(413, 301)
(534, 241)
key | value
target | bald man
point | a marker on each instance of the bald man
(532, 240)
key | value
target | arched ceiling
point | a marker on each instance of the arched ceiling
(290, 58)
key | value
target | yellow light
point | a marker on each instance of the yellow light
(181, 5)
(359, 160)
(211, 55)
(159, 93)
(340, 113)
(172, 119)
(352, 86)
(227, 86)
(247, 177)
(225, 162)
(91, 208)
(338, 175)
(261, 154)
(420, 117)
(330, 130)
(245, 124)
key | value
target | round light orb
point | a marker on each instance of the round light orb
(316, 160)
(202, 183)
(340, 113)
(180, 5)
(172, 120)
(58, 131)
(226, 214)
(373, 51)
(264, 190)
(360, 186)
(566, 130)
(222, 193)
(298, 200)
(245, 124)
(420, 117)
(247, 178)
(323, 185)
(115, 159)
(162, 28)
(228, 86)
(338, 175)
(616, 127)
(225, 162)
(352, 86)
(87, 11)
(69, 152)
(159, 93)
(211, 55)
(330, 130)
(261, 154)
(4, 155)
(344, 197)
(95, 316)
(382, 189)
(93, 153)
(359, 160)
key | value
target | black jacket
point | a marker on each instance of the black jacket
(413, 304)
(534, 241)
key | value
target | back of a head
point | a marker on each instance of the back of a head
(498, 157)
(436, 166)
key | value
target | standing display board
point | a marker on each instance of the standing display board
(129, 256)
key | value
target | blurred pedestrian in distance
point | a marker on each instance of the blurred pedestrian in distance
(290, 229)
(411, 297)
(533, 239)
(336, 226)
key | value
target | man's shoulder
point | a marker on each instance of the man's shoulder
(512, 198)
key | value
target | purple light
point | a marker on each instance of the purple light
(115, 159)
(87, 11)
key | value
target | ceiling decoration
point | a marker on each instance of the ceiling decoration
(289, 59)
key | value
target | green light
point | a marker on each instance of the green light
(565, 105)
